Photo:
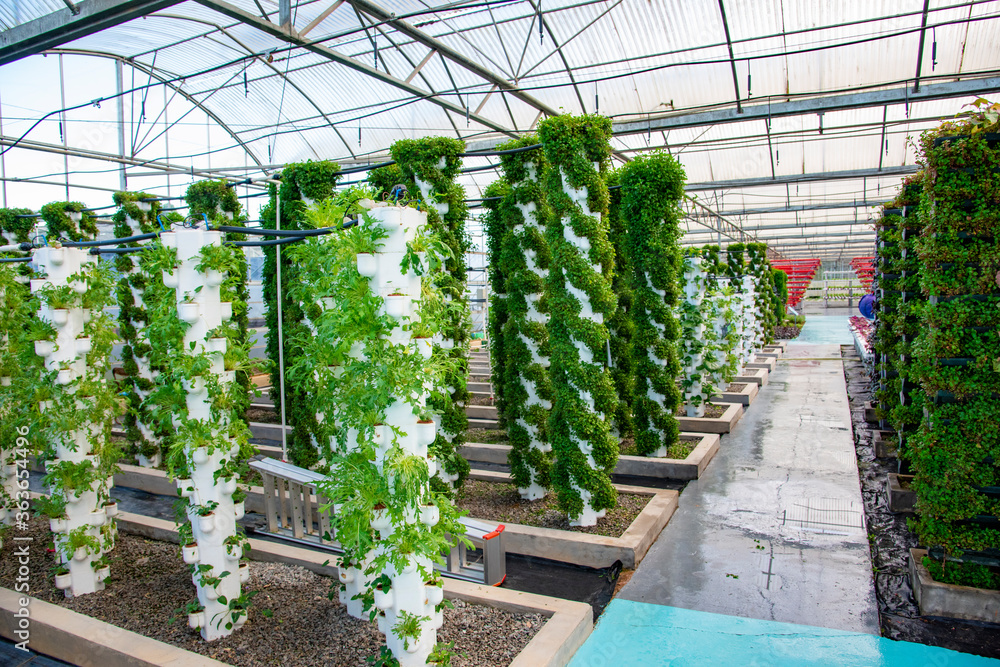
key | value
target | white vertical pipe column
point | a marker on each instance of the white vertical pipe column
(67, 356)
(401, 295)
(694, 295)
(534, 491)
(200, 306)
(748, 320)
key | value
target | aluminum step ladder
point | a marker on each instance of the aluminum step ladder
(292, 505)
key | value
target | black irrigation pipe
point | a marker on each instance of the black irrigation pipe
(12, 260)
(127, 239)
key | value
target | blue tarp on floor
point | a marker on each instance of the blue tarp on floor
(821, 329)
(636, 633)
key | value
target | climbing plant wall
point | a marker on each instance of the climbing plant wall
(578, 291)
(652, 187)
(526, 259)
(302, 184)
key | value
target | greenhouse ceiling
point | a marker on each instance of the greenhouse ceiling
(792, 119)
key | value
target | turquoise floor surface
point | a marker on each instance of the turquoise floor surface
(636, 633)
(821, 329)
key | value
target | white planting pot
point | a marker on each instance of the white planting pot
(64, 581)
(395, 306)
(244, 572)
(44, 348)
(367, 265)
(426, 433)
(240, 510)
(189, 553)
(207, 523)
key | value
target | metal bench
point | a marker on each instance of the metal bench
(292, 509)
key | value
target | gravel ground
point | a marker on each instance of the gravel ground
(499, 501)
(488, 436)
(736, 387)
(679, 450)
(712, 411)
(149, 582)
(786, 333)
(262, 415)
(477, 399)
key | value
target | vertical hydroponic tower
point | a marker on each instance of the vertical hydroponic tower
(494, 223)
(620, 325)
(216, 202)
(302, 185)
(698, 337)
(579, 296)
(205, 447)
(955, 453)
(525, 257)
(377, 369)
(137, 214)
(429, 167)
(74, 338)
(652, 187)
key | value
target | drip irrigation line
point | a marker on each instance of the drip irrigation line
(127, 239)
(299, 233)
(14, 260)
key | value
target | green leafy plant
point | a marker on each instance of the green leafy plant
(573, 146)
(652, 188)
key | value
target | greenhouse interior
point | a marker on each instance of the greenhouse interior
(330, 336)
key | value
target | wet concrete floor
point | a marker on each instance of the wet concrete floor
(775, 528)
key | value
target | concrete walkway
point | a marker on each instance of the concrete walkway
(774, 529)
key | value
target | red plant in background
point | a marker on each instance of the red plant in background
(865, 330)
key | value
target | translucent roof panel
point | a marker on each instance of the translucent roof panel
(347, 79)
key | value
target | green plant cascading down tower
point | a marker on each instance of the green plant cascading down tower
(620, 325)
(70, 221)
(526, 259)
(377, 368)
(76, 407)
(698, 340)
(302, 184)
(579, 298)
(18, 363)
(137, 214)
(429, 167)
(494, 226)
(218, 203)
(955, 453)
(652, 187)
(721, 305)
(766, 296)
(900, 303)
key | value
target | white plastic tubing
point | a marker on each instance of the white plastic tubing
(67, 355)
(200, 306)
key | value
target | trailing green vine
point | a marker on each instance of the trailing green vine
(494, 222)
(620, 324)
(526, 260)
(429, 167)
(69, 221)
(652, 188)
(301, 184)
(137, 214)
(579, 298)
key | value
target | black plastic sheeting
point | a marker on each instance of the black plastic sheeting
(891, 540)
